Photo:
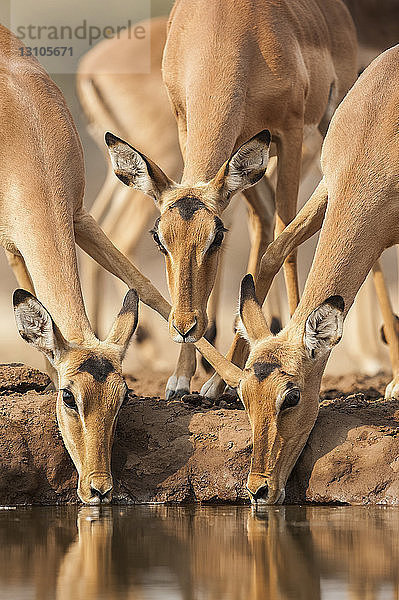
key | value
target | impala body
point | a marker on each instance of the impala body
(255, 66)
(41, 214)
(281, 380)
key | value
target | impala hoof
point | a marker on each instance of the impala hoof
(177, 387)
(392, 390)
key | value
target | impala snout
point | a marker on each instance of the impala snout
(184, 327)
(101, 488)
(260, 492)
(96, 488)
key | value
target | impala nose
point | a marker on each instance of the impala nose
(260, 495)
(184, 329)
(257, 488)
(101, 487)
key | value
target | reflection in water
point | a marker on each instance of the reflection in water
(189, 553)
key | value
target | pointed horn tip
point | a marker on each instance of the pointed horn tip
(20, 296)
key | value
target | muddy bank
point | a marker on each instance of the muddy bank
(187, 452)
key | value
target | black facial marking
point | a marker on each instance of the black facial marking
(247, 290)
(263, 370)
(187, 206)
(98, 367)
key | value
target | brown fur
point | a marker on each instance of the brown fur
(280, 64)
(41, 214)
(360, 162)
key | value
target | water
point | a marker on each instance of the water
(189, 553)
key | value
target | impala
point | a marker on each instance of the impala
(41, 216)
(280, 383)
(255, 66)
(135, 105)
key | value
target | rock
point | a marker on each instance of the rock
(178, 452)
(15, 377)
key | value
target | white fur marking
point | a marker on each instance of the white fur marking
(34, 323)
(323, 329)
(129, 162)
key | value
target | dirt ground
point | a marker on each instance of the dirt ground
(197, 450)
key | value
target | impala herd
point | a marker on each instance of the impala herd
(246, 81)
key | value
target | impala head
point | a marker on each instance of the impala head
(91, 388)
(280, 387)
(189, 231)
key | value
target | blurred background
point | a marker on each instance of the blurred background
(360, 350)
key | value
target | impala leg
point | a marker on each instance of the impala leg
(20, 271)
(262, 208)
(91, 238)
(129, 226)
(24, 280)
(178, 384)
(390, 330)
(307, 222)
(134, 209)
(289, 151)
(211, 332)
(101, 204)
(310, 149)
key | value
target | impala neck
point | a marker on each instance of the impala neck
(209, 144)
(347, 249)
(50, 257)
(213, 98)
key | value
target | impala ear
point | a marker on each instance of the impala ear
(245, 167)
(36, 326)
(136, 170)
(125, 323)
(252, 325)
(323, 328)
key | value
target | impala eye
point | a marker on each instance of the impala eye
(156, 239)
(69, 400)
(218, 239)
(291, 399)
